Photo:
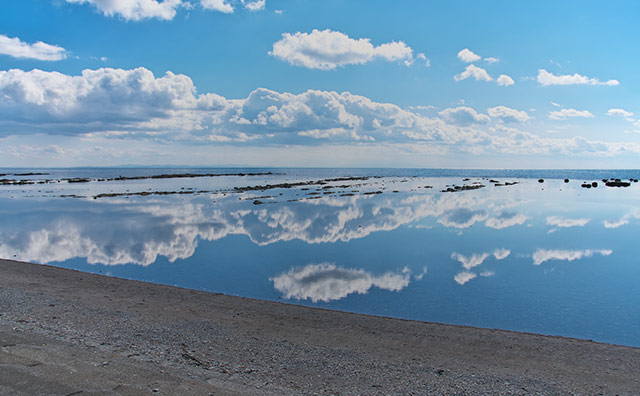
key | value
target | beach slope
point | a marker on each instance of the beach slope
(65, 332)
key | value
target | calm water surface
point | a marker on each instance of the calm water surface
(551, 258)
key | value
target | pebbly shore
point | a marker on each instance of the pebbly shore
(65, 332)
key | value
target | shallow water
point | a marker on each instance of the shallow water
(551, 258)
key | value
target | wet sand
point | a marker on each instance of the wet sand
(65, 332)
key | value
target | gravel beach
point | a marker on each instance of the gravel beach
(65, 332)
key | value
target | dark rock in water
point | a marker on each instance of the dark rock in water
(494, 181)
(466, 179)
(463, 188)
(585, 185)
(540, 180)
(594, 184)
(396, 191)
(257, 202)
(635, 180)
(617, 183)
(604, 180)
(566, 180)
(77, 180)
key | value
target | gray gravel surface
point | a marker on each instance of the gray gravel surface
(65, 332)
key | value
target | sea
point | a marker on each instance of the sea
(551, 252)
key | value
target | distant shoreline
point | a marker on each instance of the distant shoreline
(179, 341)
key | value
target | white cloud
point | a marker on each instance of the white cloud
(135, 10)
(545, 78)
(257, 5)
(468, 56)
(423, 58)
(327, 50)
(328, 282)
(463, 116)
(279, 12)
(491, 60)
(464, 277)
(135, 104)
(501, 254)
(508, 114)
(621, 113)
(472, 261)
(217, 5)
(478, 73)
(566, 223)
(569, 113)
(542, 255)
(17, 48)
(505, 80)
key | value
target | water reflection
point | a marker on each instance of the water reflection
(328, 282)
(359, 240)
(472, 261)
(462, 217)
(122, 231)
(562, 222)
(506, 219)
(542, 255)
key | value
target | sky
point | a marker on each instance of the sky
(331, 83)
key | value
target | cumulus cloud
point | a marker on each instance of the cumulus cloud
(327, 50)
(17, 48)
(463, 277)
(491, 59)
(129, 104)
(562, 222)
(328, 282)
(475, 72)
(424, 58)
(472, 261)
(257, 5)
(569, 113)
(545, 79)
(501, 254)
(136, 10)
(627, 115)
(542, 255)
(463, 116)
(221, 5)
(468, 56)
(504, 80)
(507, 114)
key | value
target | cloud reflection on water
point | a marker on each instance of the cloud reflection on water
(328, 282)
(122, 231)
(542, 255)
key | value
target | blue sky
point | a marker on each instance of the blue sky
(320, 83)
